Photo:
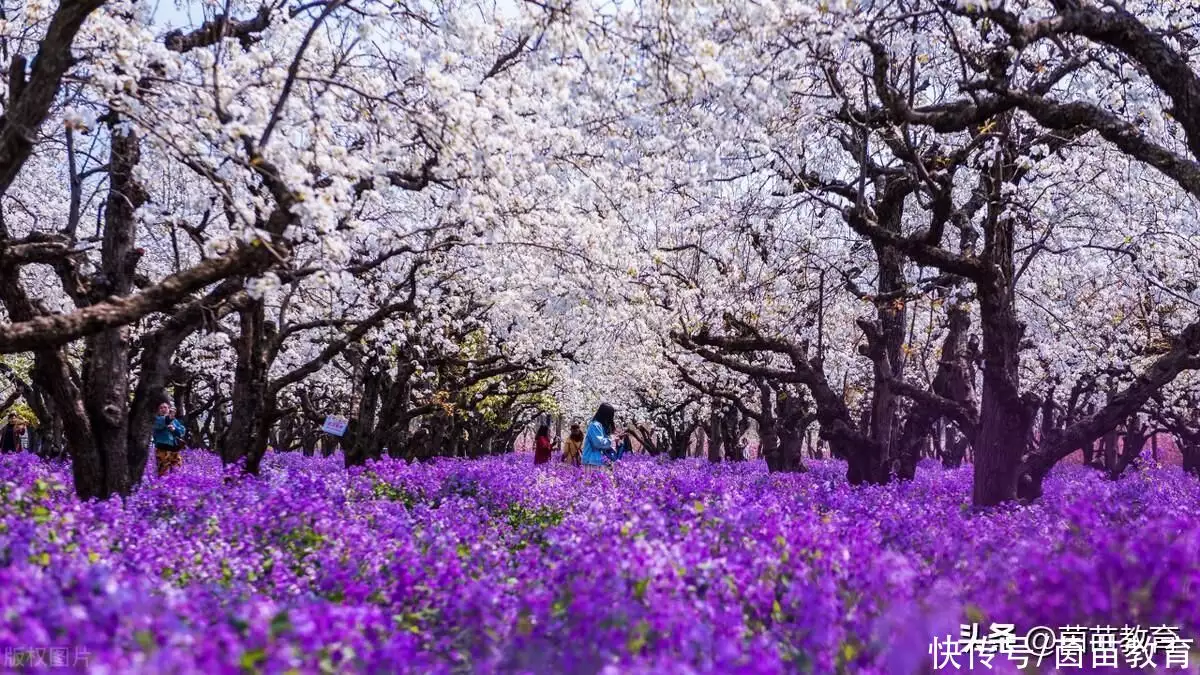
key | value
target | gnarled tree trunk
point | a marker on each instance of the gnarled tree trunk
(249, 390)
(714, 436)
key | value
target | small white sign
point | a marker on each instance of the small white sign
(334, 425)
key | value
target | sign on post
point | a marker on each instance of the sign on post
(334, 425)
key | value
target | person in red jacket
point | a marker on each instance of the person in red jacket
(541, 445)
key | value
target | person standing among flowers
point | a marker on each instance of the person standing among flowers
(573, 448)
(168, 439)
(541, 449)
(17, 436)
(598, 446)
(627, 441)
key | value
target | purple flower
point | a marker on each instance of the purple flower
(493, 566)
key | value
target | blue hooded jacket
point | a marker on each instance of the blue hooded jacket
(168, 434)
(597, 447)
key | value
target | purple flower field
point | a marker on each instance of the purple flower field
(497, 566)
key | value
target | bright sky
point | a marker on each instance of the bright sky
(168, 15)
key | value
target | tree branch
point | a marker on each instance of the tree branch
(59, 329)
(26, 113)
(211, 32)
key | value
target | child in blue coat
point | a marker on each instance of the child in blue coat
(168, 439)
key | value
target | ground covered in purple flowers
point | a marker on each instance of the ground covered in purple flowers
(500, 566)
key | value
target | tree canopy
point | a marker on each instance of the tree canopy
(875, 220)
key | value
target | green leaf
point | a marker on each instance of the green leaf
(639, 589)
(975, 614)
(146, 640)
(524, 625)
(281, 624)
(41, 514)
(251, 659)
(637, 641)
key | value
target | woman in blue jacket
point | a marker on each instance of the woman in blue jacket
(168, 439)
(597, 445)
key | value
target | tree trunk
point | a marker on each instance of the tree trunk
(956, 448)
(816, 449)
(260, 441)
(1005, 418)
(1132, 442)
(88, 468)
(680, 439)
(106, 399)
(768, 433)
(938, 450)
(1004, 425)
(106, 365)
(791, 449)
(915, 433)
(889, 356)
(646, 438)
(93, 408)
(1108, 448)
(1189, 447)
(730, 436)
(308, 443)
(356, 449)
(52, 436)
(249, 390)
(1109, 441)
(951, 381)
(714, 437)
(792, 428)
(154, 364)
(391, 429)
